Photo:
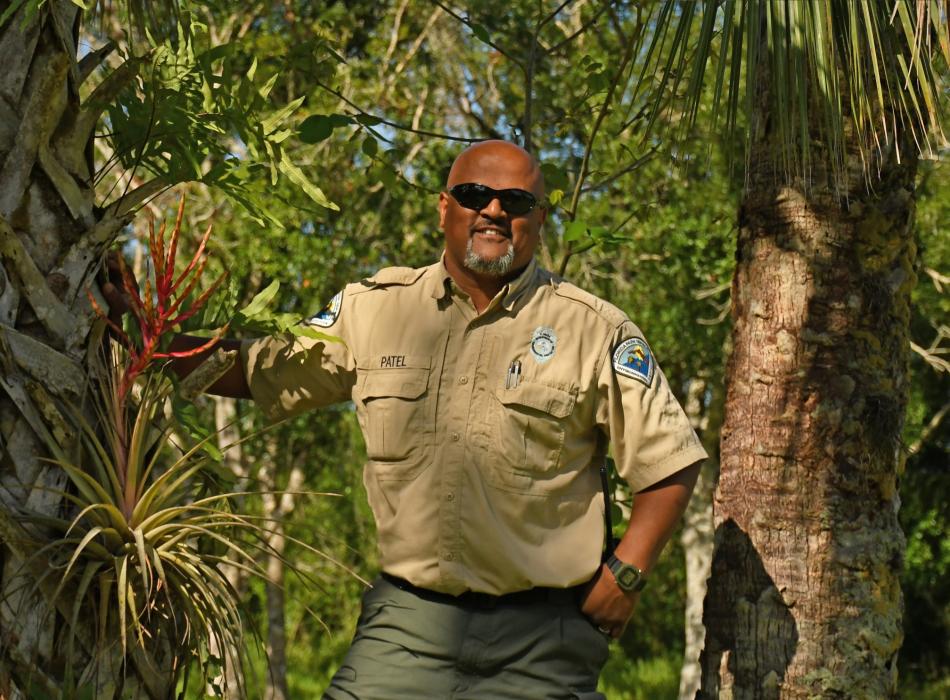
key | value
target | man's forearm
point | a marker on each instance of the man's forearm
(232, 383)
(655, 514)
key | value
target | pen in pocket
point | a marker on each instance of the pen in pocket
(514, 374)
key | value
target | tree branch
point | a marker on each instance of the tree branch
(394, 125)
(93, 59)
(564, 42)
(126, 203)
(929, 429)
(585, 162)
(467, 23)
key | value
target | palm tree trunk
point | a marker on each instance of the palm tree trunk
(51, 241)
(804, 599)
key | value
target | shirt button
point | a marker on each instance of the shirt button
(448, 556)
(450, 496)
(463, 379)
(456, 437)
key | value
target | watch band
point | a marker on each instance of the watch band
(629, 578)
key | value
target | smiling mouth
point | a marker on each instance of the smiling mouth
(491, 232)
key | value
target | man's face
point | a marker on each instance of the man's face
(492, 241)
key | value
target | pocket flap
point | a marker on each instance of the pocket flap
(541, 397)
(400, 383)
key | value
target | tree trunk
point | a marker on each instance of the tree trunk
(804, 599)
(51, 240)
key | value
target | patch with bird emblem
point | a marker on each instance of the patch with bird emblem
(633, 358)
(328, 315)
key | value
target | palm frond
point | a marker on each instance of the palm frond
(828, 75)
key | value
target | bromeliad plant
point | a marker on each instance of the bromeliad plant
(143, 549)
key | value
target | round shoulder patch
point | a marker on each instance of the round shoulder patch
(633, 358)
(328, 315)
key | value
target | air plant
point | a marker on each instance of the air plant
(143, 548)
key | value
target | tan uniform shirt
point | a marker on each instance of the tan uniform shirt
(480, 479)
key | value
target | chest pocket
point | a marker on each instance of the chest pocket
(392, 409)
(530, 422)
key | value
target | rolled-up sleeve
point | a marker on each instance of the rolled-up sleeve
(649, 432)
(290, 374)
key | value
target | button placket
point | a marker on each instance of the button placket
(456, 386)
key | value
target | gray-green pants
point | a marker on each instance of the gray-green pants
(407, 647)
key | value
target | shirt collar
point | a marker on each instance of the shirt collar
(439, 281)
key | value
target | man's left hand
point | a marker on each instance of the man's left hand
(606, 604)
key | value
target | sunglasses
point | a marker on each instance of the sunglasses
(472, 195)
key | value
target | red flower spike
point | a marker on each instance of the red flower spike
(198, 350)
(199, 302)
(195, 259)
(192, 283)
(155, 244)
(155, 308)
(173, 247)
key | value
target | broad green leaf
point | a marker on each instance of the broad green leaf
(370, 146)
(368, 120)
(575, 231)
(316, 128)
(260, 301)
(480, 33)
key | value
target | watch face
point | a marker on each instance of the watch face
(628, 577)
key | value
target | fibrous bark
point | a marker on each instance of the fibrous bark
(804, 599)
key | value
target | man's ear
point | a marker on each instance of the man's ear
(443, 206)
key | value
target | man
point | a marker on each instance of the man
(487, 390)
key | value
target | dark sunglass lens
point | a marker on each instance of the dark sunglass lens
(472, 196)
(517, 202)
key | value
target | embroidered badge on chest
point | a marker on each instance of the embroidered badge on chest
(633, 358)
(329, 313)
(543, 344)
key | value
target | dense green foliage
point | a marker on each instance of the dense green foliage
(362, 97)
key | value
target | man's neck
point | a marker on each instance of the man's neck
(480, 288)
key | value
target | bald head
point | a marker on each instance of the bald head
(485, 245)
(498, 160)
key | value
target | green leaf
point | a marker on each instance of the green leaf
(14, 6)
(575, 231)
(555, 197)
(368, 120)
(298, 178)
(302, 330)
(260, 302)
(186, 413)
(480, 33)
(370, 146)
(273, 121)
(318, 127)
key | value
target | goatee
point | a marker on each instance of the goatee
(494, 267)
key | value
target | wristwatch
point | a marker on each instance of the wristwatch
(629, 578)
